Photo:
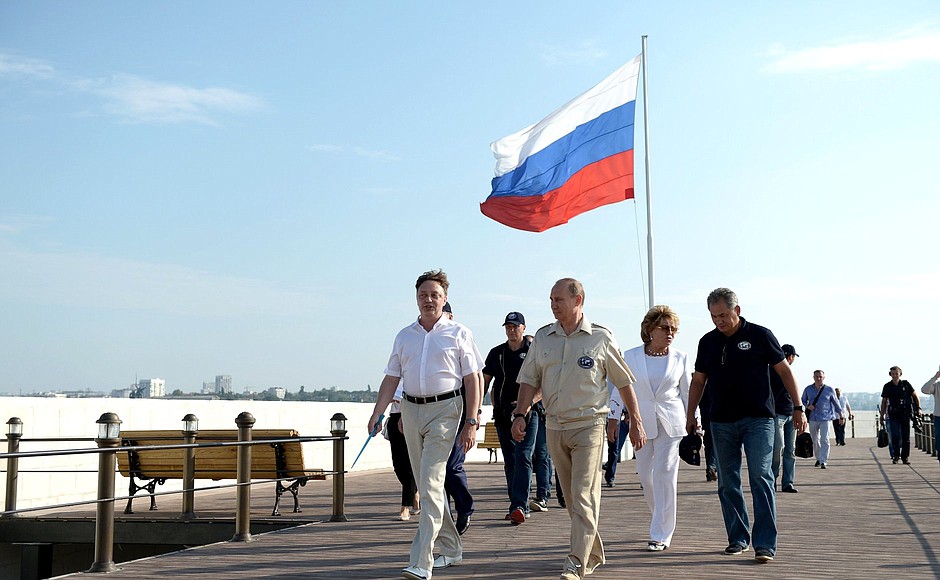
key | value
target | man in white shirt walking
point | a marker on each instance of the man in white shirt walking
(436, 360)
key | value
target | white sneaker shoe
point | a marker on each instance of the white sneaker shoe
(571, 571)
(443, 561)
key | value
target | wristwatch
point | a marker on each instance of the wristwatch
(473, 422)
(798, 408)
(517, 415)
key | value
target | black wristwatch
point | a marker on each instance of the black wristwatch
(798, 408)
(517, 415)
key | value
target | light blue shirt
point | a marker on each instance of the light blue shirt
(827, 407)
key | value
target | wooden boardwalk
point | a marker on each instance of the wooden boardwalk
(861, 518)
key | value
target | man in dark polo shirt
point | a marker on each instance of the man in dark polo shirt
(736, 359)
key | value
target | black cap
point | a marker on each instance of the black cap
(447, 308)
(789, 350)
(690, 449)
(514, 318)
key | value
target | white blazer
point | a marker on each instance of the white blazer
(666, 401)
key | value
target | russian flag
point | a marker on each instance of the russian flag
(578, 158)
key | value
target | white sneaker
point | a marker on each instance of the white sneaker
(571, 571)
(443, 561)
(415, 573)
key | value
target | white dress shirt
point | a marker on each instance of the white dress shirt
(435, 362)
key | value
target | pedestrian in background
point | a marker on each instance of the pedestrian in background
(899, 404)
(932, 387)
(822, 406)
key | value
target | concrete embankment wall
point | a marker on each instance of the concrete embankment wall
(53, 480)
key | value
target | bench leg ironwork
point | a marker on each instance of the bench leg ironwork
(150, 486)
(293, 487)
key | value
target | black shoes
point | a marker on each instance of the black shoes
(609, 482)
(817, 464)
(906, 461)
(894, 460)
(538, 505)
(735, 549)
(463, 523)
(789, 489)
(763, 555)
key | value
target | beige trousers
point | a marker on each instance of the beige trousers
(577, 456)
(430, 431)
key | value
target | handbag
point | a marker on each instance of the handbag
(803, 447)
(882, 437)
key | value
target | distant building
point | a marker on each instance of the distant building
(278, 392)
(121, 393)
(208, 387)
(223, 384)
(151, 388)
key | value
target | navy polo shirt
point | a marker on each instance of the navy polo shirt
(738, 371)
(784, 405)
(504, 364)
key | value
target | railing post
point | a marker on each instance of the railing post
(245, 421)
(14, 432)
(338, 430)
(933, 432)
(190, 428)
(109, 436)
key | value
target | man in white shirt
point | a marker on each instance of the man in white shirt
(932, 388)
(838, 424)
(435, 359)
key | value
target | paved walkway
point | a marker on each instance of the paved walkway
(863, 517)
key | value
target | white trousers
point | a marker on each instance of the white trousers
(820, 432)
(657, 464)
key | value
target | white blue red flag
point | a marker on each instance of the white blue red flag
(578, 158)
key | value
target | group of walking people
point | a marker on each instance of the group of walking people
(570, 387)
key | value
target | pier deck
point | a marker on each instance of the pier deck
(861, 517)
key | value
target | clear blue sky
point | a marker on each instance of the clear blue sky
(198, 188)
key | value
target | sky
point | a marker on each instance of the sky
(189, 189)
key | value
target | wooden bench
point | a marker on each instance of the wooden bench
(490, 441)
(284, 461)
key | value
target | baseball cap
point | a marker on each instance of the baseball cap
(788, 350)
(689, 449)
(447, 308)
(514, 318)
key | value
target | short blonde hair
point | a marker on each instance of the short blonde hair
(654, 317)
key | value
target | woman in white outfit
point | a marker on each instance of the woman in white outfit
(662, 391)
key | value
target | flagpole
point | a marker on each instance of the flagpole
(649, 202)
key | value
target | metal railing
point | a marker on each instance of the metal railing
(925, 438)
(109, 444)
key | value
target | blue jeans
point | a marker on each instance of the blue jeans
(613, 451)
(899, 436)
(455, 480)
(756, 436)
(936, 434)
(522, 459)
(507, 447)
(709, 458)
(542, 463)
(784, 442)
